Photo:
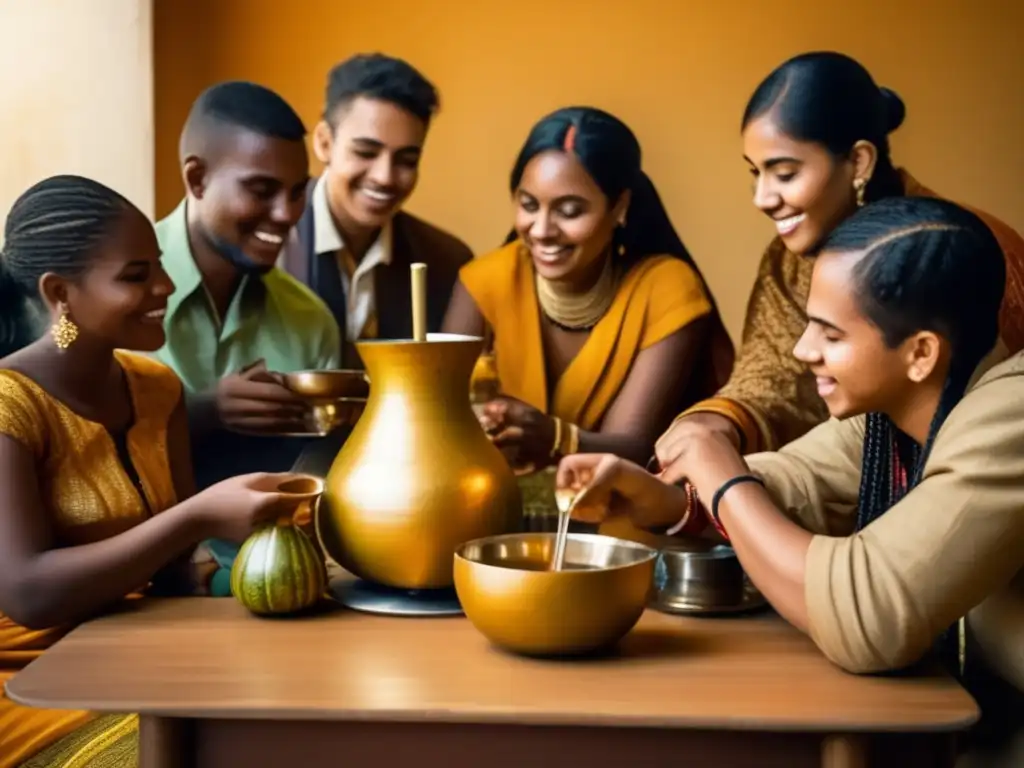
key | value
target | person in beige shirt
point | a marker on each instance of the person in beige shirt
(878, 530)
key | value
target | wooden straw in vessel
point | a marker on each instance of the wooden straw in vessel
(419, 302)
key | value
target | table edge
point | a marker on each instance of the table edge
(958, 719)
(950, 724)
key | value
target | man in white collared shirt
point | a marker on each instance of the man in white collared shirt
(356, 273)
(354, 245)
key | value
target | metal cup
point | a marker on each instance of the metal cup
(700, 573)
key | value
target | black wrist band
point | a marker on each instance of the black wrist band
(717, 498)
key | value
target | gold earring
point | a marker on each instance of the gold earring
(859, 185)
(64, 331)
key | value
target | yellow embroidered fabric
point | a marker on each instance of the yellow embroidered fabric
(109, 741)
(88, 497)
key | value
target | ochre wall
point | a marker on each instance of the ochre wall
(678, 72)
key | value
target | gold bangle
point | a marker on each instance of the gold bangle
(573, 441)
(557, 444)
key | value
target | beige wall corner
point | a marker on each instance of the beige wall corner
(76, 95)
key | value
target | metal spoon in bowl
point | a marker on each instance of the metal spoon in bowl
(565, 500)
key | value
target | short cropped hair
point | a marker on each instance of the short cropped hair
(377, 76)
(240, 105)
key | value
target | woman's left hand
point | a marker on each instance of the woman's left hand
(512, 423)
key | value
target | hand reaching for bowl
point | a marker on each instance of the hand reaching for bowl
(607, 485)
(255, 400)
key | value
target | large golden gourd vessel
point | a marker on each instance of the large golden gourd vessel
(417, 477)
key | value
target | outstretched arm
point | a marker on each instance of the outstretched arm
(184, 575)
(811, 488)
(44, 586)
(771, 548)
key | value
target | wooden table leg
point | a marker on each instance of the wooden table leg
(165, 742)
(844, 752)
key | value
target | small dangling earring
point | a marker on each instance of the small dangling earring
(64, 331)
(859, 185)
(621, 249)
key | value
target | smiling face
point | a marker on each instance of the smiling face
(855, 370)
(121, 298)
(800, 185)
(564, 219)
(249, 193)
(373, 157)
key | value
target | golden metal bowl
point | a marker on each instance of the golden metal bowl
(511, 597)
(325, 416)
(336, 398)
(328, 385)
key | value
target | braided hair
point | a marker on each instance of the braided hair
(55, 226)
(927, 265)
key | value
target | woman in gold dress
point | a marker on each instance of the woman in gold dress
(815, 135)
(96, 496)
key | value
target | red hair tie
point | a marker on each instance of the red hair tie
(570, 139)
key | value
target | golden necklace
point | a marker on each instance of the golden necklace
(577, 311)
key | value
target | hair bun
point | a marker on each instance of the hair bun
(895, 109)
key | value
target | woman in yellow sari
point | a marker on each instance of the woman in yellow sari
(603, 327)
(815, 135)
(96, 495)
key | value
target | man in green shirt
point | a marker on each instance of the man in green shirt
(235, 321)
(245, 168)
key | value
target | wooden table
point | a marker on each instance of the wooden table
(218, 687)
